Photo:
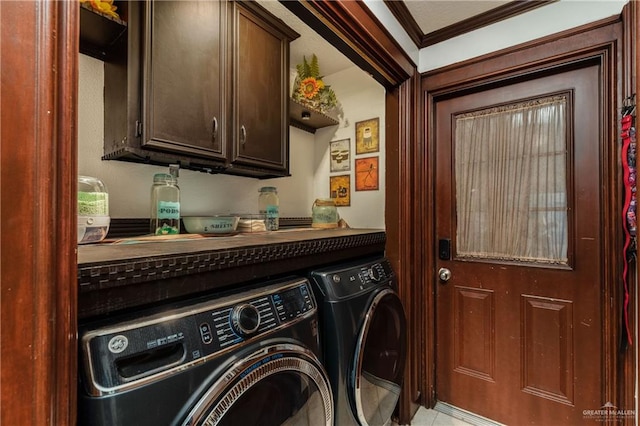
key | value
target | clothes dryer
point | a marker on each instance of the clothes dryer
(363, 328)
(250, 358)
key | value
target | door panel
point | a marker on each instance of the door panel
(261, 79)
(185, 76)
(519, 340)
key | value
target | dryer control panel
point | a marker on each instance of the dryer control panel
(122, 355)
(353, 279)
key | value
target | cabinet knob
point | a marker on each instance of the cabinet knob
(243, 135)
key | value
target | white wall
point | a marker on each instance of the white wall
(545, 20)
(362, 98)
(548, 19)
(129, 183)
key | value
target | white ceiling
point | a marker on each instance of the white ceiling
(430, 15)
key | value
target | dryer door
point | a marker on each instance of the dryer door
(379, 360)
(282, 384)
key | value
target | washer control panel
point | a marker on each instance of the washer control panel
(123, 353)
(351, 280)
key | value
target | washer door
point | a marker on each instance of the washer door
(380, 355)
(281, 384)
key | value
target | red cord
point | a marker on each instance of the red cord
(626, 141)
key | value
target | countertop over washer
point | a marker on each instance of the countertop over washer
(119, 277)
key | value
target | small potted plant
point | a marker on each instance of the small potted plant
(310, 90)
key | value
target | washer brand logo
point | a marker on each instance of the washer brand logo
(118, 344)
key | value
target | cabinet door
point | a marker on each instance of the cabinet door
(261, 80)
(184, 78)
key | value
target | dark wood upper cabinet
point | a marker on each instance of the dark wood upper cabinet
(260, 89)
(201, 84)
(185, 78)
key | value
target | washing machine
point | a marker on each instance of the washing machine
(363, 328)
(249, 358)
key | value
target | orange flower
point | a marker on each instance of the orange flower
(104, 6)
(309, 87)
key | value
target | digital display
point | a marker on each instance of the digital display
(292, 300)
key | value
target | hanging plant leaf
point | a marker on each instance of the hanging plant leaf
(314, 68)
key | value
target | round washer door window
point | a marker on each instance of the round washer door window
(278, 385)
(380, 355)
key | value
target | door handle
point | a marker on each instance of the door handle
(444, 274)
(243, 135)
(214, 129)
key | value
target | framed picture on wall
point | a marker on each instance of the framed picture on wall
(340, 151)
(367, 176)
(368, 136)
(340, 189)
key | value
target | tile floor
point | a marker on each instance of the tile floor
(430, 417)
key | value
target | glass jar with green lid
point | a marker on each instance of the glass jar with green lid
(165, 205)
(269, 207)
(324, 214)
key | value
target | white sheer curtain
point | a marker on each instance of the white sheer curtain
(511, 183)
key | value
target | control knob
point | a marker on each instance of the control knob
(245, 319)
(374, 274)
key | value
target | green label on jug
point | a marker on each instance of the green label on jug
(272, 212)
(168, 210)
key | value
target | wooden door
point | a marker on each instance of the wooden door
(185, 73)
(519, 330)
(261, 83)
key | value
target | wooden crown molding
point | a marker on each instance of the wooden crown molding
(355, 31)
(508, 10)
(405, 18)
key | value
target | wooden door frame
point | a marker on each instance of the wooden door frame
(39, 57)
(355, 31)
(599, 42)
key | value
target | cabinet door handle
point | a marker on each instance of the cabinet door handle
(214, 129)
(243, 135)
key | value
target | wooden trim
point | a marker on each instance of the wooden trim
(500, 13)
(37, 198)
(402, 129)
(276, 25)
(599, 42)
(65, 216)
(407, 21)
(354, 30)
(465, 72)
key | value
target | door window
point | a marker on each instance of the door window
(380, 353)
(278, 386)
(511, 182)
(286, 398)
